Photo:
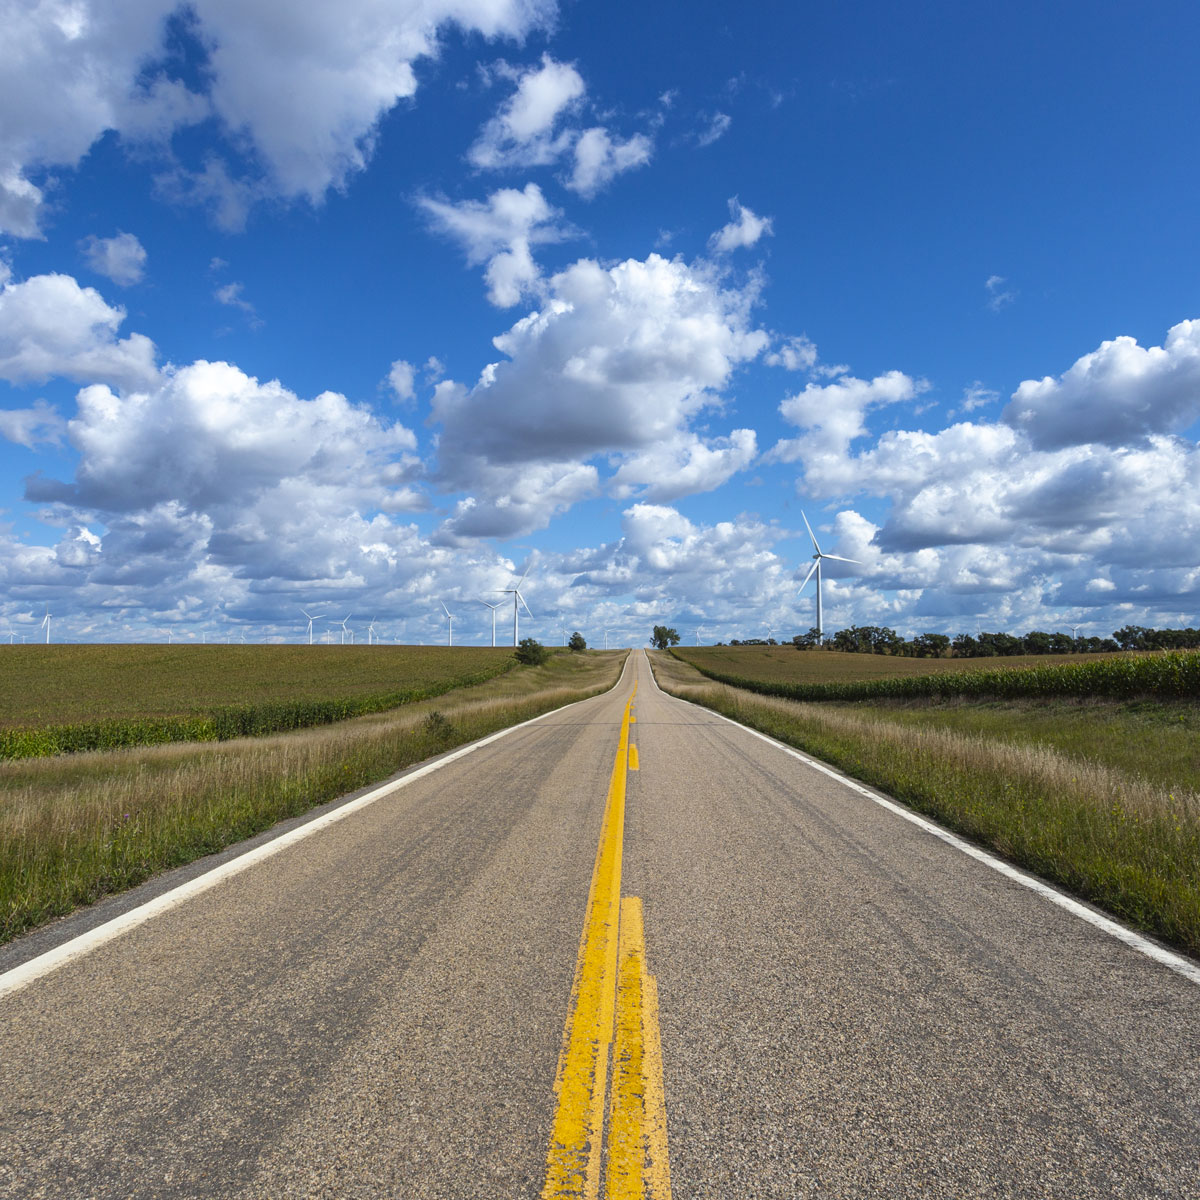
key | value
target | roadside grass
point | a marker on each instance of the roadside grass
(76, 828)
(66, 699)
(1111, 827)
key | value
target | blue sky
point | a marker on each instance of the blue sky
(370, 310)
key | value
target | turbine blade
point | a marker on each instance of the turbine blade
(839, 558)
(812, 535)
(807, 577)
(522, 600)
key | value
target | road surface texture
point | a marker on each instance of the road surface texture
(848, 1006)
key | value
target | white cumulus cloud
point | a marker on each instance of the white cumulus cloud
(501, 233)
(744, 230)
(1118, 392)
(599, 159)
(121, 258)
(51, 327)
(616, 361)
(302, 88)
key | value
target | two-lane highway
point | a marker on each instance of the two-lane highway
(847, 1006)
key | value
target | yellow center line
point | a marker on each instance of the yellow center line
(637, 1163)
(638, 1155)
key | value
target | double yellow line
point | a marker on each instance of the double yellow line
(613, 1007)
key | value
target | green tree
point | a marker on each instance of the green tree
(531, 652)
(664, 637)
(577, 642)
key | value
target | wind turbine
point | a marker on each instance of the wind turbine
(518, 600)
(699, 631)
(311, 618)
(46, 624)
(371, 633)
(345, 630)
(815, 569)
(493, 607)
(450, 619)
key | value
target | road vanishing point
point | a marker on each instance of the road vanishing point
(627, 949)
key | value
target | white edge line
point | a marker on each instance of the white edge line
(1167, 958)
(28, 972)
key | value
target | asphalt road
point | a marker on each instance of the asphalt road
(849, 1007)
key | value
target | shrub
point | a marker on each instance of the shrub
(531, 652)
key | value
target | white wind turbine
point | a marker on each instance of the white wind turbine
(371, 633)
(450, 619)
(46, 624)
(815, 569)
(311, 618)
(345, 630)
(493, 607)
(518, 600)
(699, 631)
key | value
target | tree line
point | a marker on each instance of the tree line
(878, 639)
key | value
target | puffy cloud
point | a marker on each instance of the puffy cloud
(50, 326)
(531, 130)
(501, 233)
(401, 379)
(213, 439)
(599, 159)
(744, 230)
(1114, 394)
(522, 133)
(356, 62)
(510, 500)
(121, 258)
(833, 415)
(794, 354)
(617, 362)
(684, 464)
(31, 426)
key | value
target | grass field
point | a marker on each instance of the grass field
(787, 664)
(60, 685)
(74, 828)
(66, 699)
(1173, 674)
(1099, 796)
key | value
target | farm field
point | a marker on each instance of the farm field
(787, 664)
(77, 827)
(1100, 796)
(58, 685)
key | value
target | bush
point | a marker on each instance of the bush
(578, 642)
(531, 652)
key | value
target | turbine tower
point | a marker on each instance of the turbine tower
(518, 600)
(493, 607)
(311, 618)
(450, 619)
(815, 569)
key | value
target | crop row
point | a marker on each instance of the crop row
(1171, 675)
(221, 723)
